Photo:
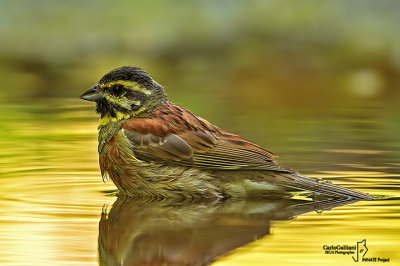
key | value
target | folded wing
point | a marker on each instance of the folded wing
(176, 136)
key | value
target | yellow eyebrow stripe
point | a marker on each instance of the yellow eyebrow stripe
(132, 85)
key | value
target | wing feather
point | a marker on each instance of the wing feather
(175, 135)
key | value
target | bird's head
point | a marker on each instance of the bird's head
(125, 92)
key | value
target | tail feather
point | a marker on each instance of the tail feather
(297, 181)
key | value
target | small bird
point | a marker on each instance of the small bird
(151, 147)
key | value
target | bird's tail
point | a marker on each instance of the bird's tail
(320, 187)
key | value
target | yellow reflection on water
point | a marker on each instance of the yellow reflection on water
(358, 151)
(301, 241)
(52, 202)
(51, 196)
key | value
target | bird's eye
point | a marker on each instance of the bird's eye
(117, 90)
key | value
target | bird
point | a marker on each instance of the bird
(153, 148)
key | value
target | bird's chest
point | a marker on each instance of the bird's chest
(114, 150)
(118, 162)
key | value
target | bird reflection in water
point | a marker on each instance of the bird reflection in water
(142, 232)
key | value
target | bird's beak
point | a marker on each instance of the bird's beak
(91, 94)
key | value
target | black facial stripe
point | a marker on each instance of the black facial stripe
(136, 96)
(120, 108)
(135, 107)
(103, 107)
(117, 90)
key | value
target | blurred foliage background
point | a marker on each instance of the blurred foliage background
(266, 53)
(269, 65)
(272, 66)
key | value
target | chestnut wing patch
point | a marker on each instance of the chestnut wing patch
(176, 136)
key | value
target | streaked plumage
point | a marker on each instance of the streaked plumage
(151, 147)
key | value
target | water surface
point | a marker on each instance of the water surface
(55, 209)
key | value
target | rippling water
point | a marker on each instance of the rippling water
(55, 209)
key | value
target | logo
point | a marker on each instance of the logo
(358, 252)
(361, 249)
